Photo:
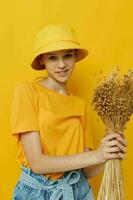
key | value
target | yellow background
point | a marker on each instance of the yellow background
(104, 27)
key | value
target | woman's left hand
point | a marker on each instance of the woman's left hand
(122, 144)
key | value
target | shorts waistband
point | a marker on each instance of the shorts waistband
(60, 187)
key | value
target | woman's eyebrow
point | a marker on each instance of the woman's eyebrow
(69, 51)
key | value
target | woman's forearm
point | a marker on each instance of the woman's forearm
(93, 170)
(53, 164)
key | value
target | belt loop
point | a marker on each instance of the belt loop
(28, 170)
(38, 193)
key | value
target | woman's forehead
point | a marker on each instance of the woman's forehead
(60, 51)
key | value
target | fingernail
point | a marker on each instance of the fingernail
(120, 132)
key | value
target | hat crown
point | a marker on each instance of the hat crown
(54, 38)
(54, 33)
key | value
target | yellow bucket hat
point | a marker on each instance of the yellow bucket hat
(54, 38)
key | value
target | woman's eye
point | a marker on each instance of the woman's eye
(52, 58)
(68, 55)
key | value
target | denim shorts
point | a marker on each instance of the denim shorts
(72, 186)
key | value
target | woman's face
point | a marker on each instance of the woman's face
(59, 64)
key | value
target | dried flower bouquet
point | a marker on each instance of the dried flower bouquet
(113, 102)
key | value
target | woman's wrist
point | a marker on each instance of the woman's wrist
(93, 158)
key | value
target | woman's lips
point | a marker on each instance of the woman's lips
(63, 73)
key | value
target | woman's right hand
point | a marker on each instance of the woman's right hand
(112, 146)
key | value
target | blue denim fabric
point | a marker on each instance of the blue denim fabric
(72, 186)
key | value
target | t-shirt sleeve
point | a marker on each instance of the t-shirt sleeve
(23, 110)
(88, 133)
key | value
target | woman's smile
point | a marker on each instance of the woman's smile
(62, 73)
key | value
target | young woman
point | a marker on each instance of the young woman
(56, 150)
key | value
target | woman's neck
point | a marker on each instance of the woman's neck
(54, 85)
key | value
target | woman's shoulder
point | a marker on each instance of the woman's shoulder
(79, 99)
(24, 86)
(24, 83)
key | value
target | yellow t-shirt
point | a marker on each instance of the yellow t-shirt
(62, 120)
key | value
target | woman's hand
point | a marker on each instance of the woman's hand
(112, 146)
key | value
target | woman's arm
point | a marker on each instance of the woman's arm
(41, 163)
(94, 170)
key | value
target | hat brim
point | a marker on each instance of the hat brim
(56, 46)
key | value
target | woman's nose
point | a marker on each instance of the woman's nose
(61, 63)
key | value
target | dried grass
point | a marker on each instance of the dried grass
(113, 102)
